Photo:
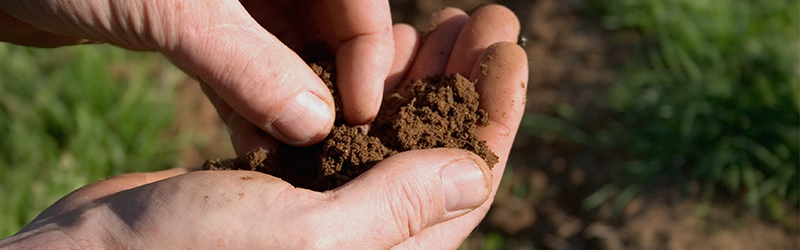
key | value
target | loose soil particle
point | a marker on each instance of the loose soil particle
(438, 111)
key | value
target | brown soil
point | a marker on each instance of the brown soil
(438, 111)
(572, 60)
(538, 203)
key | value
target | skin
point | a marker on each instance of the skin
(243, 49)
(404, 202)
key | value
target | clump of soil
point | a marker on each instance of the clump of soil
(438, 111)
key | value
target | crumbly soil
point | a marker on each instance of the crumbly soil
(438, 111)
(572, 61)
(538, 203)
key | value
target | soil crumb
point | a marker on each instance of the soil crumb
(438, 111)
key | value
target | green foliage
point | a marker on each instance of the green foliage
(71, 116)
(713, 96)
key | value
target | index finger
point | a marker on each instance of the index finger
(365, 56)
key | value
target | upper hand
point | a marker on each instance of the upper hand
(240, 49)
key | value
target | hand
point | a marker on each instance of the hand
(250, 210)
(425, 199)
(240, 49)
(484, 48)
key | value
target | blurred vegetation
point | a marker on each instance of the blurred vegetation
(71, 116)
(711, 96)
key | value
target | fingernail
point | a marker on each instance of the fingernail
(464, 186)
(305, 117)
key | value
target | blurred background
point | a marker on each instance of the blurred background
(650, 124)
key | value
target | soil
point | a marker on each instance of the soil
(438, 111)
(538, 203)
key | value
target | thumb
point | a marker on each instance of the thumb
(259, 77)
(409, 192)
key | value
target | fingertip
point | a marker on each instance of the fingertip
(361, 106)
(437, 44)
(501, 69)
(305, 120)
(500, 58)
(406, 33)
(365, 56)
(467, 184)
(505, 16)
(488, 25)
(502, 76)
(415, 190)
(362, 67)
(444, 15)
(464, 179)
(246, 137)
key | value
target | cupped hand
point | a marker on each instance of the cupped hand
(482, 47)
(424, 199)
(240, 49)
(250, 210)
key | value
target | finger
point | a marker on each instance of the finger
(502, 77)
(502, 91)
(363, 60)
(487, 26)
(406, 45)
(223, 109)
(404, 194)
(244, 135)
(437, 44)
(254, 73)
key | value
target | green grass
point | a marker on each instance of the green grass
(716, 99)
(70, 116)
(711, 96)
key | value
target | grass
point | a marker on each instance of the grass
(711, 96)
(70, 116)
